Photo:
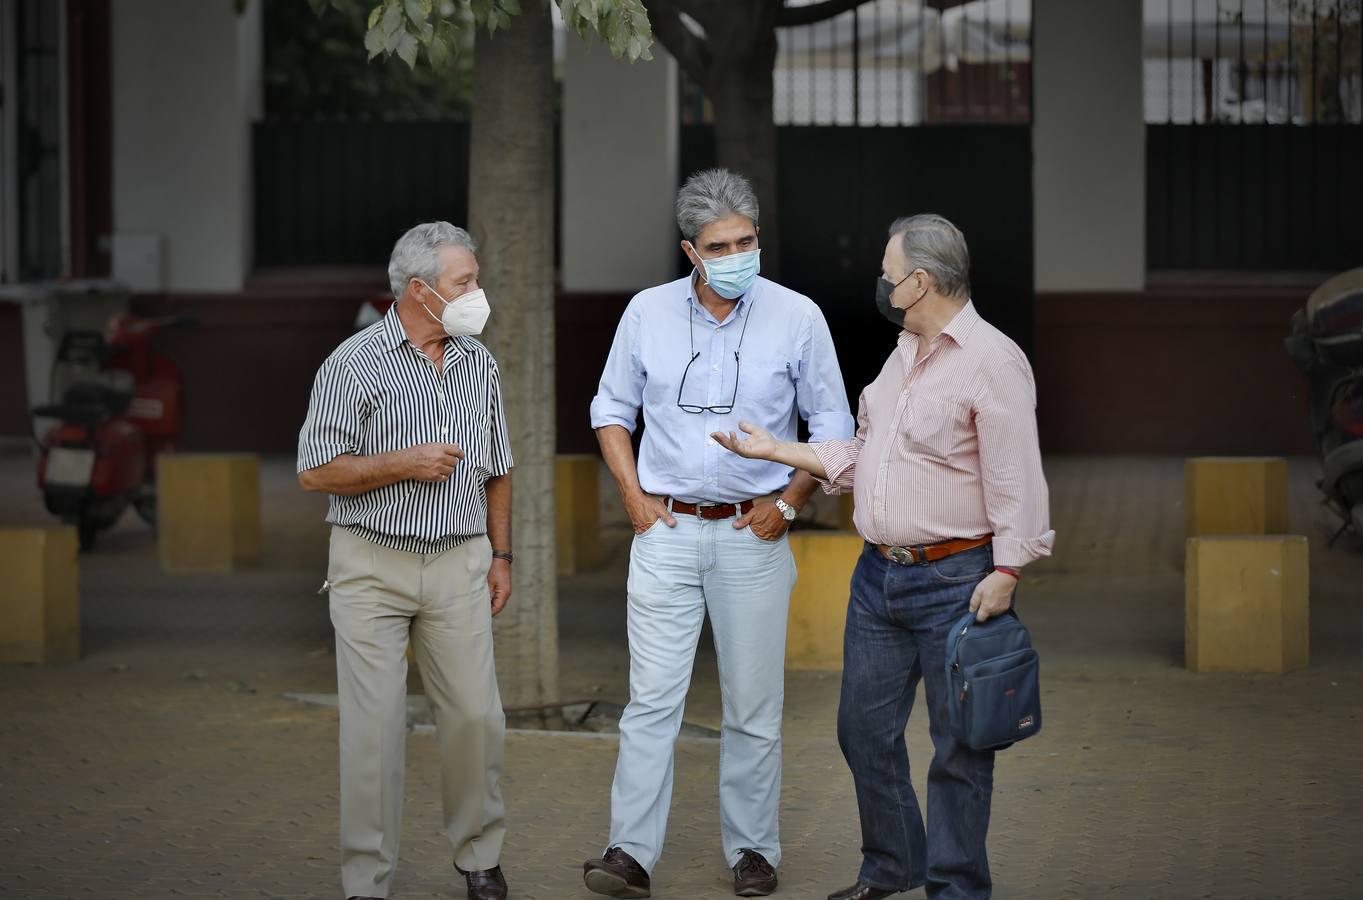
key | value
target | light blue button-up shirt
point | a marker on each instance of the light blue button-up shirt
(787, 367)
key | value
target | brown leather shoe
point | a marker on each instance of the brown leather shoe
(616, 875)
(753, 876)
(861, 891)
(489, 884)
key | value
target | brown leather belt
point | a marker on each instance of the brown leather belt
(912, 556)
(721, 511)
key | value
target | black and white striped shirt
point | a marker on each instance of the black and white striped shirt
(378, 393)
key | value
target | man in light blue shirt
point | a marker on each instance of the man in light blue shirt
(697, 355)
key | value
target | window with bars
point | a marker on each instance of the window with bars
(1254, 134)
(1273, 62)
(901, 62)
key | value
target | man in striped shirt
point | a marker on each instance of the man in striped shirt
(406, 433)
(950, 496)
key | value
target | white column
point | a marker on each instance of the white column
(619, 170)
(1088, 144)
(186, 88)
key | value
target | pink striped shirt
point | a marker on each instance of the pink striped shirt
(947, 447)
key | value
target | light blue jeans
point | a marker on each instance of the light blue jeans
(676, 576)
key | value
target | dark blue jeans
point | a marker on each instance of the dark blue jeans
(897, 623)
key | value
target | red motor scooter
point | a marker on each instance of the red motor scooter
(118, 409)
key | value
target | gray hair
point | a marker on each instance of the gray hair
(933, 244)
(417, 254)
(712, 195)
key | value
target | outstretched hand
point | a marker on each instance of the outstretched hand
(759, 444)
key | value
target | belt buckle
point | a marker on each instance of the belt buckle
(902, 555)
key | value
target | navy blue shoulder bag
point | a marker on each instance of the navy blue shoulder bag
(994, 678)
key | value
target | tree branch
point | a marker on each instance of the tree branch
(815, 12)
(687, 47)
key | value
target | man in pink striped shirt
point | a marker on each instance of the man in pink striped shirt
(950, 496)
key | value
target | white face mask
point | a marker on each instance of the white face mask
(466, 314)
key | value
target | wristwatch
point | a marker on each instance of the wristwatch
(502, 554)
(788, 512)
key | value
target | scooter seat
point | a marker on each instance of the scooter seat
(86, 404)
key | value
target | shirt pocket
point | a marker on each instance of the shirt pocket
(766, 380)
(933, 426)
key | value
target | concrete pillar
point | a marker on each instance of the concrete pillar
(1236, 495)
(187, 85)
(619, 170)
(1248, 604)
(818, 605)
(577, 479)
(1088, 145)
(207, 511)
(40, 606)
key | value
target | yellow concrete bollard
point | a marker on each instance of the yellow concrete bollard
(846, 507)
(208, 511)
(818, 605)
(1234, 495)
(579, 513)
(40, 606)
(1247, 604)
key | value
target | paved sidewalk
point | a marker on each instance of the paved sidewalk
(168, 764)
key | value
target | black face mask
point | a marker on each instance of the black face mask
(884, 288)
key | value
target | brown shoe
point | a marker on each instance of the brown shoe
(489, 884)
(861, 891)
(616, 875)
(753, 876)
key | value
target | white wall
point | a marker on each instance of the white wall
(1088, 142)
(619, 170)
(186, 87)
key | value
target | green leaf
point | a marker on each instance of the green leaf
(375, 15)
(318, 6)
(374, 42)
(512, 6)
(392, 17)
(408, 46)
(438, 52)
(418, 12)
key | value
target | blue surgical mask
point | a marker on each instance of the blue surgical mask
(732, 276)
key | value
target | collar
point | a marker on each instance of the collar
(959, 329)
(743, 302)
(392, 336)
(963, 324)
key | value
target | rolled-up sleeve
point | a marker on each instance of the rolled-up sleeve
(336, 415)
(819, 390)
(499, 444)
(839, 457)
(621, 391)
(1017, 500)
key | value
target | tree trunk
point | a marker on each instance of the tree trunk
(745, 132)
(511, 216)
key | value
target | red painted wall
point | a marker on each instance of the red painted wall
(1184, 371)
(1191, 371)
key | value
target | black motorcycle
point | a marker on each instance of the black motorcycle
(1327, 345)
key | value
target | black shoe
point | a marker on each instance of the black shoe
(489, 884)
(753, 876)
(616, 875)
(860, 891)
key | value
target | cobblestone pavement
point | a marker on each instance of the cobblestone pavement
(168, 764)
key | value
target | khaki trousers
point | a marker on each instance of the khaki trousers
(380, 599)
